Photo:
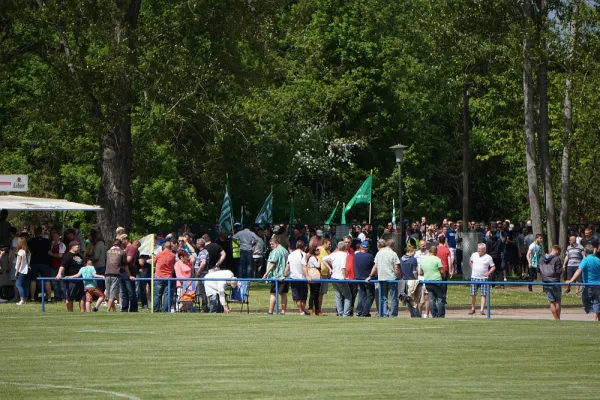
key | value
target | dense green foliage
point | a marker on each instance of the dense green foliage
(302, 95)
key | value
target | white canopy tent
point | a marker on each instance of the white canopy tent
(17, 204)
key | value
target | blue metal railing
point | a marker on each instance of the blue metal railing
(287, 280)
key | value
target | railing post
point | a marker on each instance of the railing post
(379, 296)
(489, 301)
(277, 296)
(43, 296)
(169, 295)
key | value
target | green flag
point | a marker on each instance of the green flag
(332, 214)
(226, 217)
(265, 216)
(328, 222)
(363, 195)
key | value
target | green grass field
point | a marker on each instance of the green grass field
(184, 356)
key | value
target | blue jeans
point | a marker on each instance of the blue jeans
(23, 286)
(215, 304)
(343, 298)
(140, 288)
(60, 292)
(161, 296)
(366, 296)
(245, 266)
(391, 289)
(128, 296)
(437, 300)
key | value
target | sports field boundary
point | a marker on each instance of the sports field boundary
(277, 282)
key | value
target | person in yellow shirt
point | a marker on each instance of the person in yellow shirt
(324, 251)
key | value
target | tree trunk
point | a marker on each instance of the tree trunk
(565, 176)
(466, 140)
(115, 144)
(532, 181)
(543, 135)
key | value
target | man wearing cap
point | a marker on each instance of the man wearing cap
(363, 264)
(71, 263)
(128, 294)
(316, 240)
(246, 239)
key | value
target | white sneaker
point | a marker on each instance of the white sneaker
(424, 315)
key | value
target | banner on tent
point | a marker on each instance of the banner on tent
(14, 183)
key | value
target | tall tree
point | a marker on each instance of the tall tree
(115, 140)
(528, 98)
(543, 120)
(565, 170)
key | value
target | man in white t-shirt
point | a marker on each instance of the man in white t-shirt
(336, 262)
(215, 290)
(482, 266)
(424, 301)
(296, 267)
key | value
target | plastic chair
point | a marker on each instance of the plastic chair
(239, 295)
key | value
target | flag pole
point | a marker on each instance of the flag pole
(370, 202)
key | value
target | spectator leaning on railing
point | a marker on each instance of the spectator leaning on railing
(589, 269)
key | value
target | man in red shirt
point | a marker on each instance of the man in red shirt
(350, 271)
(443, 253)
(129, 301)
(165, 264)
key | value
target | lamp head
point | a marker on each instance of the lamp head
(399, 152)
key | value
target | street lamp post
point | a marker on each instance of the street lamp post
(317, 200)
(399, 152)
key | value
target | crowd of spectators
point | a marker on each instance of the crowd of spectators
(297, 255)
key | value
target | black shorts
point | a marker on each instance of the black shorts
(299, 291)
(41, 270)
(75, 291)
(284, 287)
(571, 271)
